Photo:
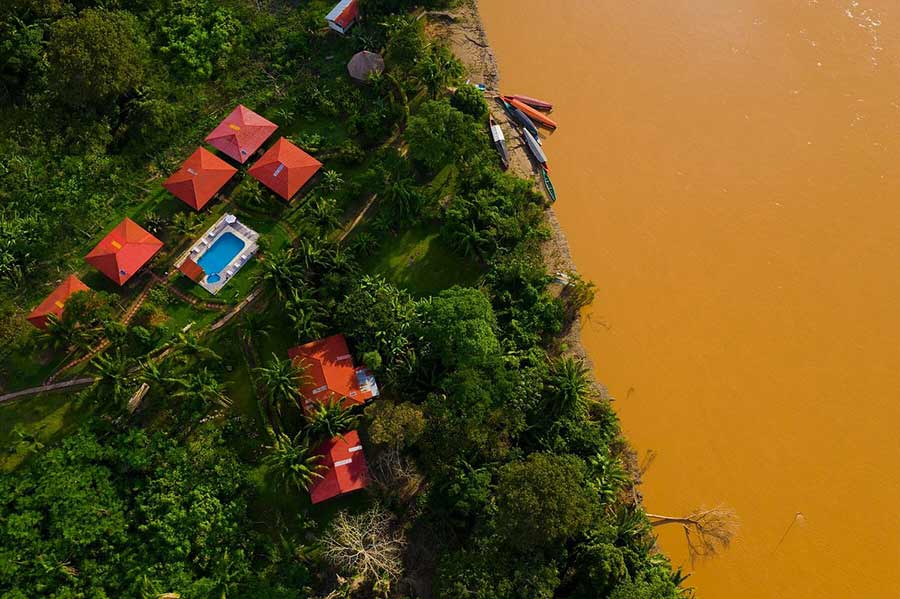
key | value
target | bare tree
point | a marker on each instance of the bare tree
(365, 545)
(708, 531)
(395, 477)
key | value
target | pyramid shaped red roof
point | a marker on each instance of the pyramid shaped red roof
(200, 178)
(123, 251)
(55, 302)
(332, 374)
(285, 168)
(241, 133)
(346, 468)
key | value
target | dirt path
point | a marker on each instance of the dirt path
(358, 218)
(72, 384)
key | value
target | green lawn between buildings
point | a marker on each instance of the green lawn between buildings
(419, 261)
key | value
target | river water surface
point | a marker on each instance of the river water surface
(729, 176)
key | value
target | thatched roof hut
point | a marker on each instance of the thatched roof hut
(364, 64)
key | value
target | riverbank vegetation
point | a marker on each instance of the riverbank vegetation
(181, 468)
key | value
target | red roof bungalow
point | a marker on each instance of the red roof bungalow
(285, 168)
(331, 373)
(200, 178)
(346, 468)
(124, 251)
(56, 301)
(343, 15)
(241, 133)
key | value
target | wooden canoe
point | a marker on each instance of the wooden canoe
(533, 102)
(499, 142)
(536, 150)
(521, 117)
(549, 185)
(533, 114)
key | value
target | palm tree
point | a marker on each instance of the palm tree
(404, 200)
(251, 194)
(152, 374)
(325, 212)
(281, 271)
(364, 243)
(254, 326)
(327, 419)
(292, 463)
(570, 387)
(342, 260)
(285, 115)
(64, 333)
(332, 180)
(313, 253)
(466, 238)
(185, 223)
(202, 389)
(187, 346)
(306, 314)
(114, 378)
(282, 379)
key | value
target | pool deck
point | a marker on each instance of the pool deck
(209, 238)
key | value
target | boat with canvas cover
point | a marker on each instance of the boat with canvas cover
(499, 142)
(536, 149)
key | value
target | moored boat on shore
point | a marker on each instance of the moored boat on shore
(551, 191)
(520, 118)
(499, 142)
(536, 149)
(533, 102)
(531, 113)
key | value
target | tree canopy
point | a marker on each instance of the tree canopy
(439, 134)
(96, 56)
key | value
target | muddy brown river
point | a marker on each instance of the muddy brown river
(729, 176)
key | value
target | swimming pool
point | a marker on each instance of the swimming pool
(220, 254)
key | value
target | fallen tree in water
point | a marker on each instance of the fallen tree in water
(708, 531)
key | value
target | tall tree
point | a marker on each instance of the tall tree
(115, 381)
(544, 500)
(189, 347)
(439, 134)
(281, 271)
(202, 389)
(460, 327)
(96, 56)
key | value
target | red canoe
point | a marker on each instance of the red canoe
(533, 102)
(535, 115)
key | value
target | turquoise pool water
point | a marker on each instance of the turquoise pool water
(220, 254)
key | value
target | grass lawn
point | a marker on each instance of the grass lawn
(419, 262)
(45, 417)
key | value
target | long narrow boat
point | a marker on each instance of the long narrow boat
(520, 117)
(536, 149)
(533, 102)
(499, 142)
(551, 191)
(533, 114)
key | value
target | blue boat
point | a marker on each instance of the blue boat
(522, 118)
